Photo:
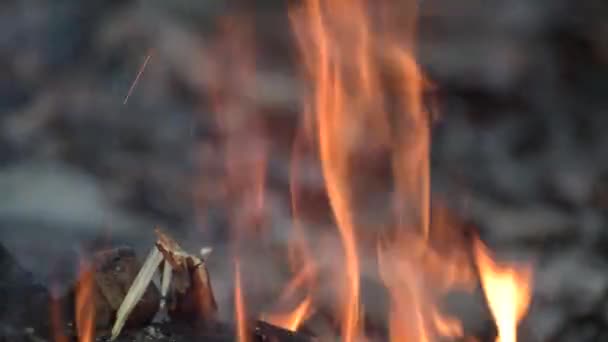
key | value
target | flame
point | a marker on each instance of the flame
(292, 320)
(348, 55)
(85, 304)
(242, 132)
(300, 257)
(243, 145)
(416, 275)
(364, 96)
(239, 306)
(507, 290)
(57, 322)
(303, 279)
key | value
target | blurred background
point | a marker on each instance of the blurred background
(519, 146)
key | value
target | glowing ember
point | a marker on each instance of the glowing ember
(85, 304)
(507, 289)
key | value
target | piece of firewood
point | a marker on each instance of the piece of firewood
(185, 280)
(192, 294)
(264, 331)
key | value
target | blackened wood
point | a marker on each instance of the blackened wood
(264, 331)
(191, 296)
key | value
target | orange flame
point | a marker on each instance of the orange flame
(85, 304)
(348, 56)
(329, 107)
(365, 95)
(416, 275)
(292, 320)
(507, 290)
(57, 322)
(239, 303)
(300, 257)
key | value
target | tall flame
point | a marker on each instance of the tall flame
(358, 65)
(507, 290)
(328, 106)
(365, 95)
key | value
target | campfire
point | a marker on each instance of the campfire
(366, 126)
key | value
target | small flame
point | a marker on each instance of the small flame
(304, 278)
(507, 290)
(292, 320)
(239, 306)
(57, 321)
(85, 304)
(416, 275)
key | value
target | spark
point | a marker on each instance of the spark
(139, 73)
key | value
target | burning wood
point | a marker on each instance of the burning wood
(267, 332)
(191, 293)
(185, 281)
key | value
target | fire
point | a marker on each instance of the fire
(292, 320)
(57, 322)
(232, 67)
(364, 97)
(348, 54)
(239, 303)
(507, 290)
(85, 304)
(302, 280)
(300, 257)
